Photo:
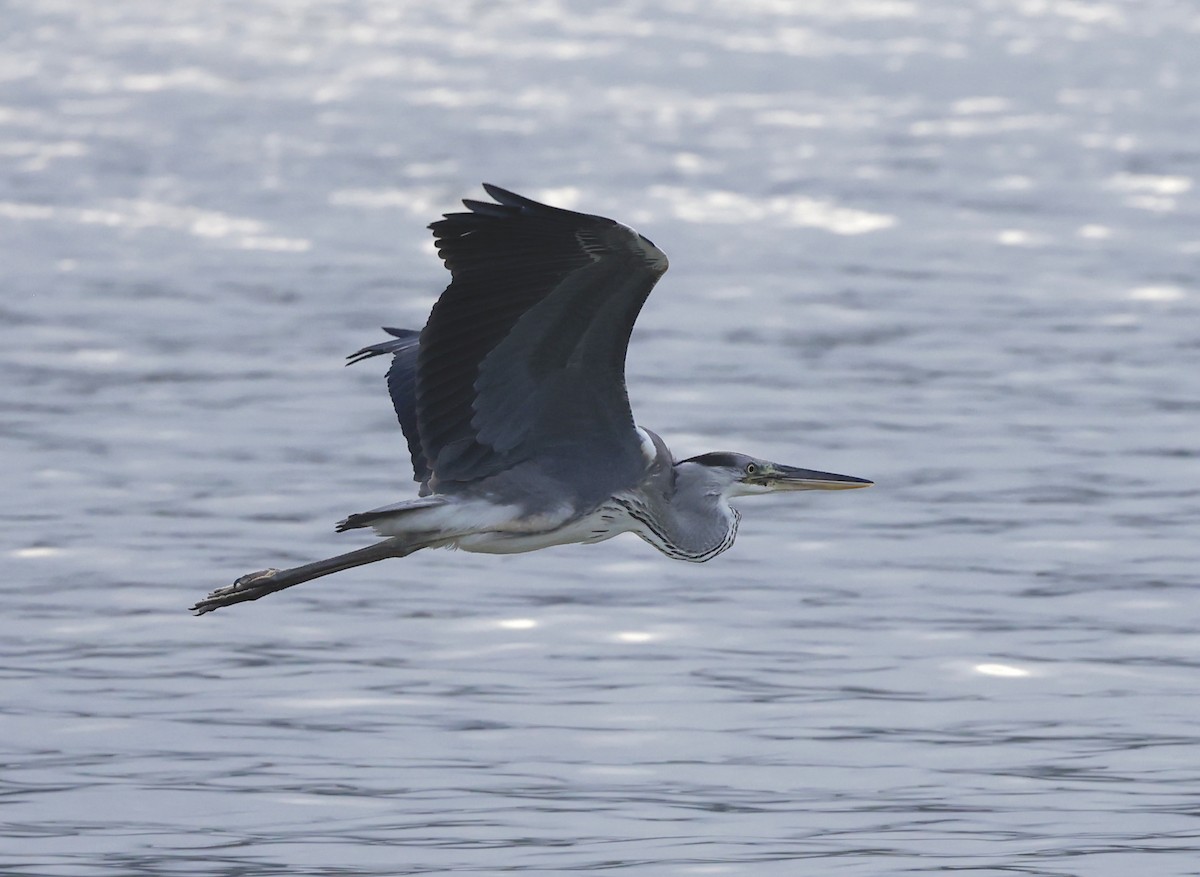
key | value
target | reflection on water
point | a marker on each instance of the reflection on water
(950, 247)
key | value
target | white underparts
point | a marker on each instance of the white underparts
(604, 523)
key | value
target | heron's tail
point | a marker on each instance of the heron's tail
(437, 519)
(402, 516)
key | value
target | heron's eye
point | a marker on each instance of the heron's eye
(751, 468)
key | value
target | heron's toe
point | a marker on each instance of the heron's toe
(247, 587)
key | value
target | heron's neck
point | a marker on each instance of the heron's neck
(686, 519)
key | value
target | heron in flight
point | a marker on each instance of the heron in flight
(513, 402)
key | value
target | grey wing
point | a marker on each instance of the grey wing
(523, 357)
(402, 387)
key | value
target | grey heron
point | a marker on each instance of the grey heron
(513, 403)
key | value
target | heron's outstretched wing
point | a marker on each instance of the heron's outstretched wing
(523, 356)
(402, 387)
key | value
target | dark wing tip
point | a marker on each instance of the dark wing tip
(504, 196)
(512, 216)
(509, 203)
(486, 208)
(520, 202)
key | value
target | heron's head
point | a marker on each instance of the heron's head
(733, 475)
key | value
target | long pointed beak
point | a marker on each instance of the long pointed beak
(790, 478)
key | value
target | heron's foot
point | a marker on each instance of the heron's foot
(249, 587)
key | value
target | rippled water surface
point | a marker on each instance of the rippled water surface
(950, 246)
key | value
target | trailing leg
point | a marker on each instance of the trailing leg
(254, 585)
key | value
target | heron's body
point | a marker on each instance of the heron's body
(649, 507)
(513, 403)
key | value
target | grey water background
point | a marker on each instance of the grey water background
(950, 246)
